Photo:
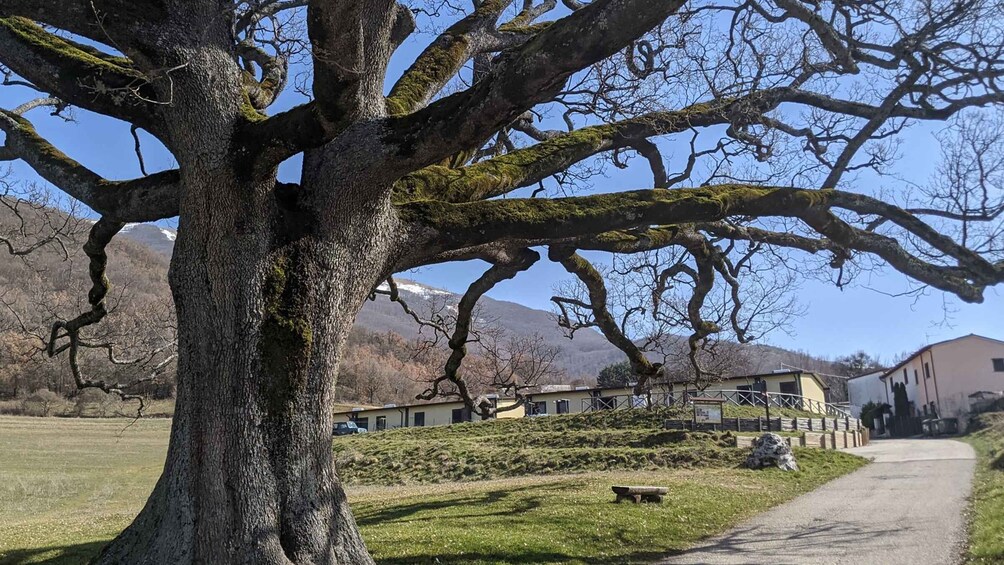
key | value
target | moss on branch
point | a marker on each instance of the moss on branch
(79, 74)
(481, 222)
(506, 172)
(34, 36)
(533, 164)
(631, 241)
(441, 60)
(434, 67)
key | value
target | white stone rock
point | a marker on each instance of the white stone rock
(771, 450)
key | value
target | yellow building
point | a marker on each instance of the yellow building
(558, 399)
(787, 385)
(789, 389)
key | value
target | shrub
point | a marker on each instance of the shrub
(94, 402)
(870, 411)
(42, 402)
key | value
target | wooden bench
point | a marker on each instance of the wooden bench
(638, 494)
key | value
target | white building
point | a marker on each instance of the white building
(940, 378)
(867, 388)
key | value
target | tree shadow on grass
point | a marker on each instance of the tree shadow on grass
(476, 502)
(54, 555)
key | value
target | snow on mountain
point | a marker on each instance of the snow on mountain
(584, 356)
(155, 237)
(417, 289)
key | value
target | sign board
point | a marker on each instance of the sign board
(707, 411)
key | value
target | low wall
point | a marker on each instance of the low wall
(817, 440)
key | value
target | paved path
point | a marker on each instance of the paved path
(903, 509)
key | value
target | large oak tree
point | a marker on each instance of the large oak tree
(463, 160)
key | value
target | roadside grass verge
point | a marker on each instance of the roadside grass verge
(986, 520)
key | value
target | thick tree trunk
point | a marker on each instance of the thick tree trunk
(264, 307)
(267, 282)
(266, 289)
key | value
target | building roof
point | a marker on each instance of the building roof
(792, 372)
(545, 389)
(929, 346)
(876, 373)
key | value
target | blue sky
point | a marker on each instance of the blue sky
(836, 321)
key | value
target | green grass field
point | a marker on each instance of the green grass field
(67, 481)
(619, 440)
(986, 527)
(67, 486)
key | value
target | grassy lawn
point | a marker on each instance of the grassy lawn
(986, 527)
(506, 448)
(67, 481)
(67, 486)
(572, 519)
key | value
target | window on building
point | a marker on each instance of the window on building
(363, 423)
(916, 377)
(999, 365)
(789, 388)
(927, 370)
(906, 378)
(419, 419)
(381, 423)
(745, 394)
(561, 406)
(539, 407)
(460, 415)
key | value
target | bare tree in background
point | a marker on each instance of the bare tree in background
(647, 301)
(135, 348)
(779, 108)
(478, 356)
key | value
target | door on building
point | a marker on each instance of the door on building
(460, 415)
(561, 406)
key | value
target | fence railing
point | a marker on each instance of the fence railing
(734, 397)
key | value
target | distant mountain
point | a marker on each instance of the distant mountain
(581, 357)
(158, 239)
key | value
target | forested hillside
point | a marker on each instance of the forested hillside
(382, 365)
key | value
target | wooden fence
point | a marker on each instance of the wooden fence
(733, 397)
(774, 424)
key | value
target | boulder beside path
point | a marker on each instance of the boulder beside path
(770, 450)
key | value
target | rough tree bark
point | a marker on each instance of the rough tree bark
(266, 281)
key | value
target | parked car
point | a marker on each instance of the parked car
(347, 429)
